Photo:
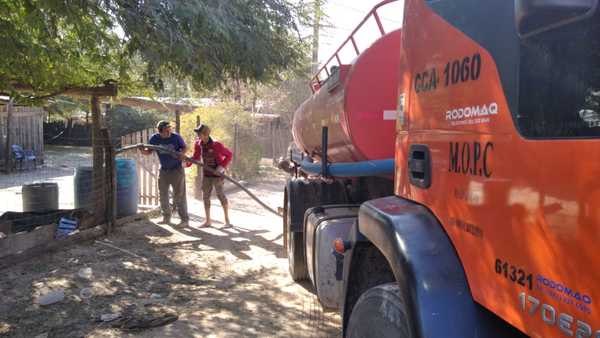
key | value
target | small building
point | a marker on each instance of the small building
(26, 128)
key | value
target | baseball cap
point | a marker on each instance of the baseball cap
(200, 127)
(162, 124)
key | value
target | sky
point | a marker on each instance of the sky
(344, 15)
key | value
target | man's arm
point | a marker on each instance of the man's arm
(197, 151)
(227, 155)
(182, 147)
(147, 151)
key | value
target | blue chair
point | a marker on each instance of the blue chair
(21, 156)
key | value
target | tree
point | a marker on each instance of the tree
(52, 45)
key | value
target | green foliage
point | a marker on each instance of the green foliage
(124, 120)
(212, 41)
(63, 107)
(285, 96)
(222, 119)
(50, 45)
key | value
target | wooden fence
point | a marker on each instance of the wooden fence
(274, 139)
(147, 167)
(26, 129)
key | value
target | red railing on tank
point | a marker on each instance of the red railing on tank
(315, 82)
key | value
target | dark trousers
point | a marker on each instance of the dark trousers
(173, 178)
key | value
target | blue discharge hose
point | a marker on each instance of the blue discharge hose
(352, 169)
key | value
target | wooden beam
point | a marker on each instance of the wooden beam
(148, 103)
(46, 246)
(108, 89)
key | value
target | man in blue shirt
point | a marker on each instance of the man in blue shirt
(171, 171)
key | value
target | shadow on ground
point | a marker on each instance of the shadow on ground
(234, 239)
(202, 274)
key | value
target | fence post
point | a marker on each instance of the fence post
(235, 148)
(7, 152)
(111, 181)
(273, 141)
(98, 179)
(178, 121)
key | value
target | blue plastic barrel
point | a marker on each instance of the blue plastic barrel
(127, 187)
(83, 188)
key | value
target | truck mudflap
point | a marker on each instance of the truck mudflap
(322, 226)
(425, 265)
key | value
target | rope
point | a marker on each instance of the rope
(211, 170)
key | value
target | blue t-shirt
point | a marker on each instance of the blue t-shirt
(173, 142)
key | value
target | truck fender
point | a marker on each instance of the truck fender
(425, 264)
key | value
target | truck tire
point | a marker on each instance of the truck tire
(380, 312)
(296, 201)
(286, 221)
(296, 259)
(301, 195)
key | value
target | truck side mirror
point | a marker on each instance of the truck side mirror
(537, 16)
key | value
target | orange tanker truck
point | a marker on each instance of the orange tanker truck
(449, 171)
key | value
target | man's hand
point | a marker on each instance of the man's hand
(220, 170)
(181, 156)
(145, 151)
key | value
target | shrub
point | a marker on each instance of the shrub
(222, 120)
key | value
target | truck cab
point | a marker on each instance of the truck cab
(492, 227)
(499, 147)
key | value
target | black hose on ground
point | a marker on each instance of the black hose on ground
(188, 159)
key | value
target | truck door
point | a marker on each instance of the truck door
(509, 113)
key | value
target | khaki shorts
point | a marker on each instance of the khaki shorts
(207, 186)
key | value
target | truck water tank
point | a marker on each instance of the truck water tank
(358, 104)
(40, 197)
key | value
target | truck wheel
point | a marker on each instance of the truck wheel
(286, 222)
(380, 312)
(295, 252)
(297, 200)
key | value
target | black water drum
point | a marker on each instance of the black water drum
(40, 197)
(83, 184)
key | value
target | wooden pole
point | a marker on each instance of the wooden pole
(235, 146)
(98, 179)
(111, 181)
(271, 126)
(178, 121)
(7, 152)
(108, 118)
(318, 12)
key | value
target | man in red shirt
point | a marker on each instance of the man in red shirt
(217, 157)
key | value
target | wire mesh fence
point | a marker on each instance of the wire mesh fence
(73, 189)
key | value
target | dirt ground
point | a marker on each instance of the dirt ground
(220, 281)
